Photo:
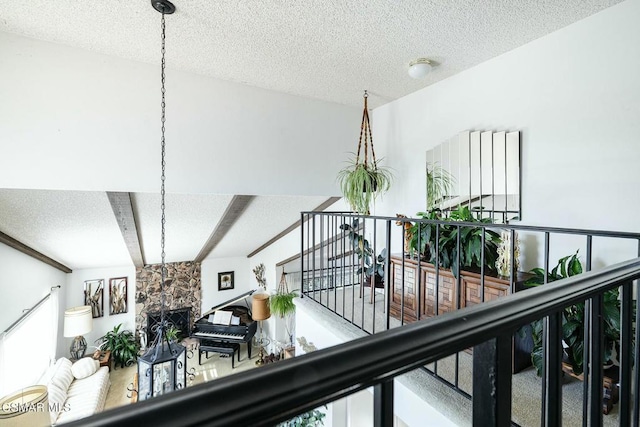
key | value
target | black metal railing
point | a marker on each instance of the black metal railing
(327, 247)
(276, 392)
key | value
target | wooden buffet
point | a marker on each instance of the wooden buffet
(404, 300)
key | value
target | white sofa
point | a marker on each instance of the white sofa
(76, 390)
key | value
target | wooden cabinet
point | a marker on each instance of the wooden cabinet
(404, 295)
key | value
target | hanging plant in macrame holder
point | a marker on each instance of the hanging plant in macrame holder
(364, 179)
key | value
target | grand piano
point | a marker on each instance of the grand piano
(209, 333)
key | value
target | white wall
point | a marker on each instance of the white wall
(101, 325)
(23, 282)
(324, 330)
(575, 96)
(243, 280)
(84, 113)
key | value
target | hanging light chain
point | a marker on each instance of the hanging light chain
(162, 190)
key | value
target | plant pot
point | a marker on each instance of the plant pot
(374, 187)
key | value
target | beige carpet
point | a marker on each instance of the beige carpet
(526, 385)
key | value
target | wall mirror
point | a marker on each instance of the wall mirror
(485, 170)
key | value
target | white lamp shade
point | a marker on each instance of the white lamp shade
(77, 321)
(419, 70)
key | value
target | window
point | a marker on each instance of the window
(29, 345)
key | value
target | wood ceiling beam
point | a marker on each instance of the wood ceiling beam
(126, 219)
(236, 207)
(322, 206)
(19, 246)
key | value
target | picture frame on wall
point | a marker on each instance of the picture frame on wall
(118, 295)
(94, 296)
(225, 281)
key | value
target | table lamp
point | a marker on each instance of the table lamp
(77, 322)
(260, 311)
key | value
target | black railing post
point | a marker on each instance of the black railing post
(387, 276)
(595, 369)
(552, 376)
(492, 382)
(383, 404)
(302, 215)
(626, 353)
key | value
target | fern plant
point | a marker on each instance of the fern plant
(362, 183)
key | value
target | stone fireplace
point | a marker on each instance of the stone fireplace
(184, 291)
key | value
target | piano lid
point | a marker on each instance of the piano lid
(226, 303)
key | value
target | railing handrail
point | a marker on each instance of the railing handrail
(279, 391)
(533, 228)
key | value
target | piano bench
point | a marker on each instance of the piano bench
(219, 347)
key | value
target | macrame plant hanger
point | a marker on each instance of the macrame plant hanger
(365, 134)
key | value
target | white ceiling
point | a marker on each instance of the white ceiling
(79, 229)
(329, 50)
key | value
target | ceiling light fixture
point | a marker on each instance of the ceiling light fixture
(419, 68)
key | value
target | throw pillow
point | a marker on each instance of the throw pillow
(62, 377)
(84, 367)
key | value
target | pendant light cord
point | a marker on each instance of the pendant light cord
(163, 272)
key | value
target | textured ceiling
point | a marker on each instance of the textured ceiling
(75, 228)
(331, 50)
(190, 220)
(79, 228)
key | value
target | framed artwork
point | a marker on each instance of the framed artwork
(225, 280)
(118, 295)
(94, 296)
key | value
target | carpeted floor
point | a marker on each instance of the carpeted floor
(526, 385)
(216, 366)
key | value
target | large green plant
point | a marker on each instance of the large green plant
(573, 318)
(370, 264)
(122, 344)
(447, 250)
(362, 183)
(439, 185)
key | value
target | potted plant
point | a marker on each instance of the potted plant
(573, 319)
(281, 304)
(370, 265)
(173, 334)
(447, 250)
(122, 344)
(364, 179)
(362, 183)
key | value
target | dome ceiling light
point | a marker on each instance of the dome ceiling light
(419, 68)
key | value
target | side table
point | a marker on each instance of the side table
(105, 359)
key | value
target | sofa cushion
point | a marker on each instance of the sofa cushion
(84, 368)
(57, 397)
(86, 396)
